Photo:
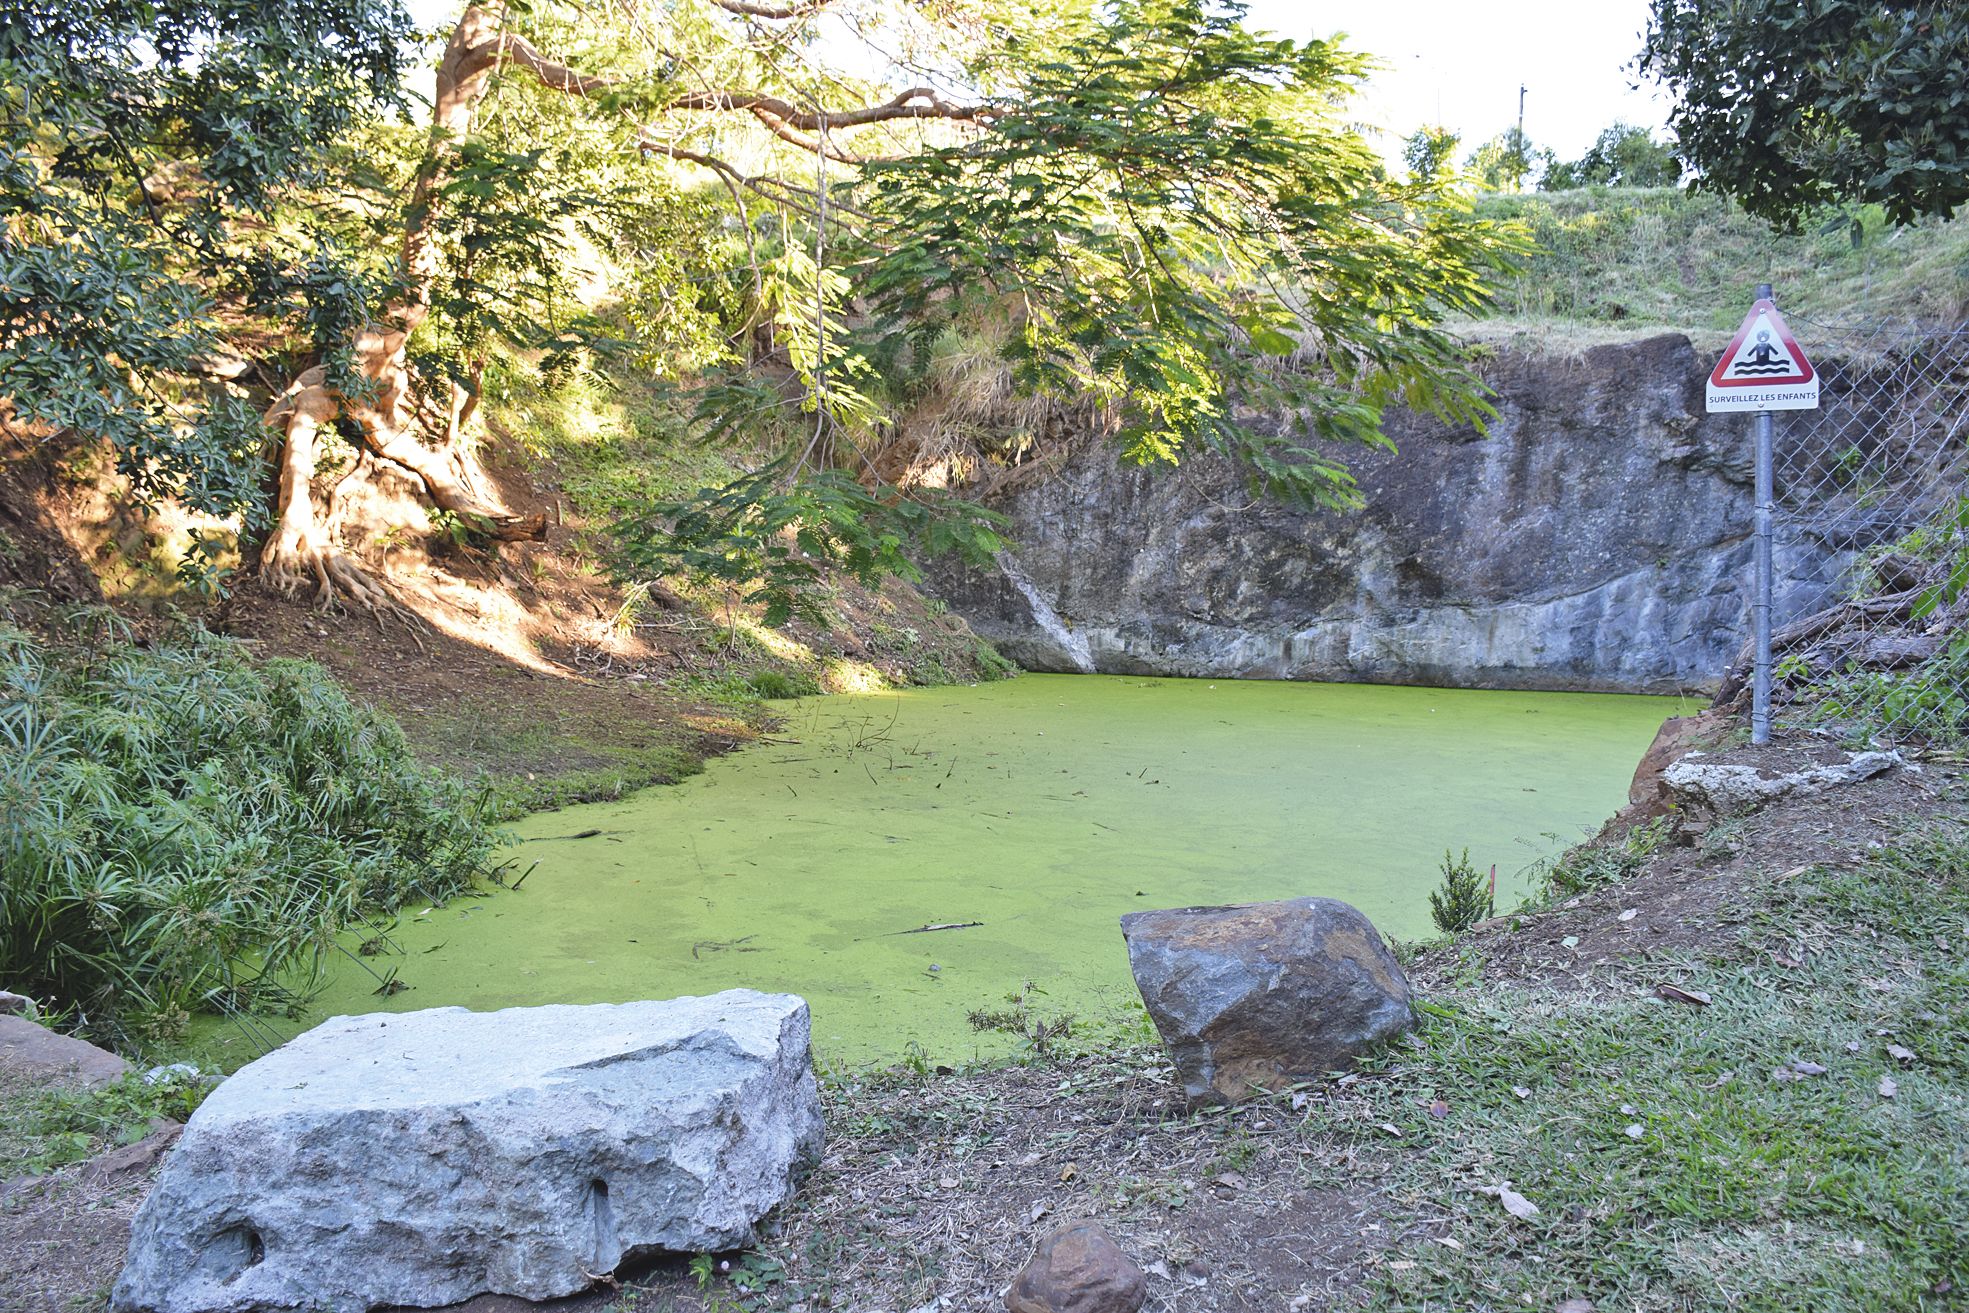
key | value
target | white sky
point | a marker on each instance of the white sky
(1460, 62)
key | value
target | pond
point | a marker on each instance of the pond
(1023, 818)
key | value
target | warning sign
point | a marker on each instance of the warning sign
(1763, 369)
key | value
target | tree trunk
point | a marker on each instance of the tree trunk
(300, 550)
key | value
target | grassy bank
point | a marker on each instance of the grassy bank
(1614, 262)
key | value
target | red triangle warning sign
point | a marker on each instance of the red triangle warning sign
(1763, 367)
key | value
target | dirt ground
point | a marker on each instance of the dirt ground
(935, 1186)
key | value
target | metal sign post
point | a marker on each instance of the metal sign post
(1762, 371)
(1760, 606)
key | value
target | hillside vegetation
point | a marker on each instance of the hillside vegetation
(1613, 262)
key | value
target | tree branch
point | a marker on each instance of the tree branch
(915, 103)
(754, 9)
(556, 77)
(819, 145)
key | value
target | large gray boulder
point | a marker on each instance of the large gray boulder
(1255, 996)
(423, 1158)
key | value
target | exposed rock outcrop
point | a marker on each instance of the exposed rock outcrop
(1596, 537)
(1648, 794)
(1725, 789)
(1255, 996)
(423, 1158)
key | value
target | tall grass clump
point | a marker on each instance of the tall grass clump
(183, 828)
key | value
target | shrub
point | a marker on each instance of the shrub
(1929, 703)
(183, 828)
(1596, 866)
(1465, 897)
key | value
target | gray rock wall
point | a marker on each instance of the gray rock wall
(1596, 537)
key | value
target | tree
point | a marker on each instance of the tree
(1621, 156)
(137, 139)
(1787, 106)
(1152, 211)
(1428, 151)
(1504, 161)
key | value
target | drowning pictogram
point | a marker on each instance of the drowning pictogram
(1763, 367)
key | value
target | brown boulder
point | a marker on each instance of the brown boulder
(1078, 1269)
(1256, 996)
(1649, 796)
(134, 1160)
(41, 1055)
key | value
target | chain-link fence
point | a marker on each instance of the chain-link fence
(1871, 539)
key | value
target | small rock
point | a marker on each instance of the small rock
(133, 1160)
(1257, 996)
(17, 1005)
(40, 1054)
(1078, 1269)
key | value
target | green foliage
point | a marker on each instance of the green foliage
(1631, 257)
(1598, 865)
(134, 135)
(1429, 152)
(44, 1129)
(1789, 106)
(778, 536)
(1622, 156)
(1503, 162)
(186, 829)
(1944, 540)
(1176, 219)
(1465, 897)
(1929, 703)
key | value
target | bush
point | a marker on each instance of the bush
(1465, 897)
(1929, 703)
(182, 828)
(1596, 865)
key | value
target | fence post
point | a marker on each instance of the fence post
(1760, 604)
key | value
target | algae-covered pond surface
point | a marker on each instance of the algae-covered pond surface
(1028, 814)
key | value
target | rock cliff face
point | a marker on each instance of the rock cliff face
(1596, 537)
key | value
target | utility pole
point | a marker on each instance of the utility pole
(1522, 146)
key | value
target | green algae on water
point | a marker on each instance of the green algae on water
(906, 860)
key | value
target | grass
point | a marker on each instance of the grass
(615, 443)
(517, 795)
(45, 1128)
(1743, 1155)
(1614, 261)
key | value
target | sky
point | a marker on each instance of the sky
(1460, 62)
